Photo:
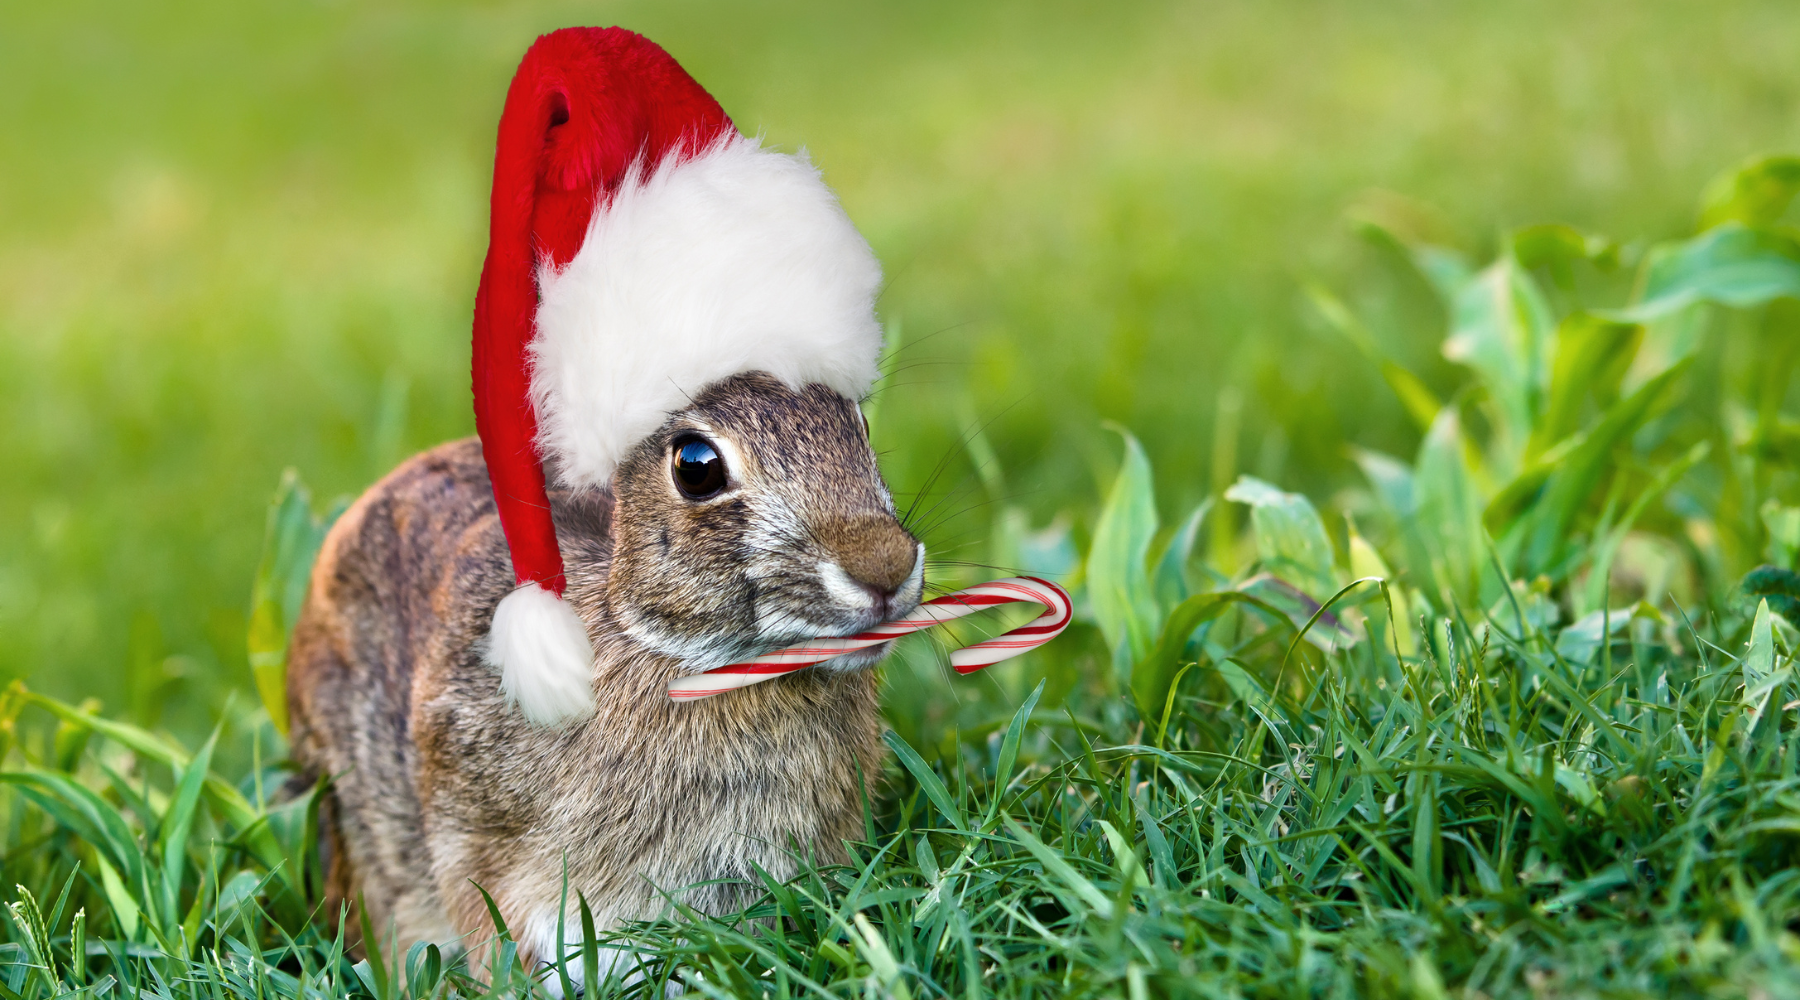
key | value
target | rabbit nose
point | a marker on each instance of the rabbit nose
(876, 552)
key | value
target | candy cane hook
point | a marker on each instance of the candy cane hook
(1027, 589)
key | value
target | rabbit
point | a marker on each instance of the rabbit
(438, 785)
(672, 333)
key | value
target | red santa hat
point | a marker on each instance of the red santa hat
(640, 248)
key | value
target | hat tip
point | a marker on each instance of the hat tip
(546, 663)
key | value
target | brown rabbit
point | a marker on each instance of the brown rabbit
(685, 361)
(441, 785)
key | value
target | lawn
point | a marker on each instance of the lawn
(1157, 275)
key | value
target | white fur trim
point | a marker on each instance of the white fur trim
(541, 649)
(736, 260)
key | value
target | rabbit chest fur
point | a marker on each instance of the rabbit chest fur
(439, 785)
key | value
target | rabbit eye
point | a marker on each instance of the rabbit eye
(698, 469)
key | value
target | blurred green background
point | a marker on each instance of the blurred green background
(237, 237)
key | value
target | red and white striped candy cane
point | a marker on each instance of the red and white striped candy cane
(938, 610)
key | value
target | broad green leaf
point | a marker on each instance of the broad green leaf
(1576, 477)
(1170, 580)
(178, 821)
(1510, 503)
(1246, 688)
(1118, 581)
(1754, 193)
(1447, 525)
(1760, 676)
(1555, 245)
(1592, 356)
(1784, 533)
(1152, 675)
(1608, 549)
(293, 825)
(240, 889)
(1290, 538)
(1579, 788)
(1047, 552)
(1390, 479)
(1364, 560)
(1441, 267)
(1445, 269)
(1328, 631)
(1580, 641)
(291, 540)
(124, 904)
(1730, 265)
(1528, 609)
(1501, 328)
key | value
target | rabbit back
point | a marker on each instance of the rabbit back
(398, 586)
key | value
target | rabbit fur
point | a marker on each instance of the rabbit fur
(438, 785)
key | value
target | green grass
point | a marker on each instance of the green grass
(1552, 753)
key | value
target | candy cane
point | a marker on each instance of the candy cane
(938, 610)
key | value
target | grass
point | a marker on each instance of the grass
(1510, 710)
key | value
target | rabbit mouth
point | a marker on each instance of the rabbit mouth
(776, 626)
(867, 609)
(793, 607)
(862, 659)
(839, 607)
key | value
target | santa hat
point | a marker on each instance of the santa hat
(640, 248)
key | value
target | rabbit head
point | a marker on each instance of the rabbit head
(753, 519)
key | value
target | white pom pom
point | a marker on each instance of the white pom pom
(541, 649)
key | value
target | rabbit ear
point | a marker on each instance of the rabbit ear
(585, 105)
